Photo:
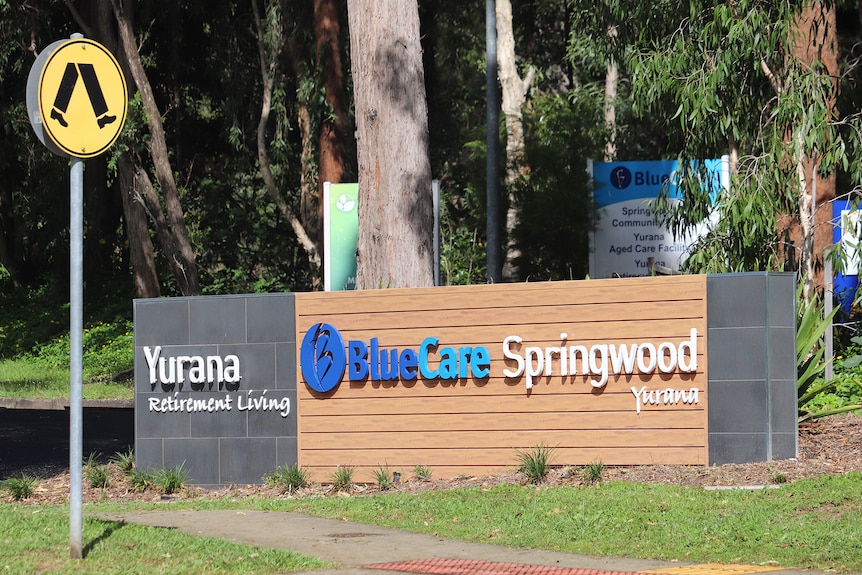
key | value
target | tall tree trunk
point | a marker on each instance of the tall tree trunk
(331, 139)
(612, 80)
(269, 44)
(514, 96)
(395, 247)
(180, 251)
(817, 42)
(141, 251)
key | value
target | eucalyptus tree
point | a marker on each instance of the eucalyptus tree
(754, 79)
(394, 247)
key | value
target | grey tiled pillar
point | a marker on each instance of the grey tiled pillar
(751, 321)
(236, 444)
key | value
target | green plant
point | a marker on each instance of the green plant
(169, 480)
(92, 460)
(342, 478)
(140, 480)
(289, 478)
(811, 362)
(535, 464)
(98, 476)
(383, 478)
(593, 473)
(21, 487)
(125, 461)
(777, 478)
(422, 472)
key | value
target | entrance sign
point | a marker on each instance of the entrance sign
(627, 237)
(460, 377)
(82, 98)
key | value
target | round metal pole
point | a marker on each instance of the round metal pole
(493, 227)
(76, 329)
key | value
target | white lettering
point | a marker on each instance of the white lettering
(668, 396)
(601, 360)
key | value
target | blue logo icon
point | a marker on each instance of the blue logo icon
(322, 357)
(621, 177)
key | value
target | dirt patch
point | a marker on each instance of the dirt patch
(826, 447)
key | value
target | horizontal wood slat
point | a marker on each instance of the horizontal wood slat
(490, 422)
(616, 438)
(538, 404)
(471, 424)
(476, 461)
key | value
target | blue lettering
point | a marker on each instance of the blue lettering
(373, 360)
(448, 363)
(389, 369)
(424, 369)
(409, 364)
(480, 362)
(357, 367)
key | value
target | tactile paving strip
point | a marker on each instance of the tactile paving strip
(715, 569)
(474, 567)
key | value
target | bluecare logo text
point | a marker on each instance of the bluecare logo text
(324, 359)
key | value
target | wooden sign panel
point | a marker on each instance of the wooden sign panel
(459, 378)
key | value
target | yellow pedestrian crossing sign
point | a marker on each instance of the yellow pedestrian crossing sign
(82, 98)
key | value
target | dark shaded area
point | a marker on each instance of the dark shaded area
(36, 441)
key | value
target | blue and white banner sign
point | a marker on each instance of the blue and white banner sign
(627, 237)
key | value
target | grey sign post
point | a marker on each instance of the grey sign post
(76, 135)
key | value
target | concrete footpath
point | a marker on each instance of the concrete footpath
(360, 549)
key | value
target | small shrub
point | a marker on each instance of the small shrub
(342, 478)
(422, 472)
(288, 478)
(98, 476)
(170, 481)
(383, 478)
(593, 473)
(535, 464)
(22, 487)
(140, 481)
(777, 478)
(92, 460)
(125, 461)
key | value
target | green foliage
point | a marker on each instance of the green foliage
(21, 487)
(593, 473)
(125, 461)
(98, 476)
(342, 478)
(422, 472)
(383, 478)
(557, 212)
(140, 480)
(288, 478)
(170, 480)
(36, 539)
(535, 464)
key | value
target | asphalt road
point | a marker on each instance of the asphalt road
(36, 441)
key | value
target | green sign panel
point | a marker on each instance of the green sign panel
(340, 230)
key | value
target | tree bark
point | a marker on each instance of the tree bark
(268, 54)
(612, 80)
(817, 43)
(141, 250)
(331, 139)
(182, 255)
(395, 247)
(514, 95)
